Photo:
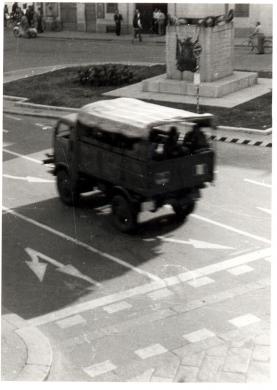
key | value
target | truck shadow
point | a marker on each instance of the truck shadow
(54, 255)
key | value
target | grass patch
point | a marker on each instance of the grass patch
(62, 88)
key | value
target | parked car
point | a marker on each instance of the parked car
(141, 155)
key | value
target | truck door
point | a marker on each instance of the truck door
(62, 143)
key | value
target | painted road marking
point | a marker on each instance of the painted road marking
(5, 131)
(71, 321)
(12, 117)
(22, 156)
(150, 351)
(258, 183)
(39, 268)
(243, 269)
(195, 243)
(231, 228)
(99, 369)
(29, 179)
(201, 282)
(268, 211)
(160, 294)
(244, 320)
(198, 335)
(84, 245)
(7, 144)
(147, 288)
(114, 308)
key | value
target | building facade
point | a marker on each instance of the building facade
(98, 17)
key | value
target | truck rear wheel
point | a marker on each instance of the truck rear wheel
(68, 195)
(182, 211)
(124, 216)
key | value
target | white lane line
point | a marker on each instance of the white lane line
(29, 179)
(150, 351)
(160, 294)
(258, 183)
(84, 245)
(22, 156)
(5, 131)
(200, 282)
(99, 368)
(12, 117)
(114, 308)
(149, 287)
(242, 269)
(39, 124)
(244, 320)
(198, 335)
(71, 321)
(231, 228)
(268, 211)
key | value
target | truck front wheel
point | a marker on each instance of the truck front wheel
(182, 211)
(124, 215)
(67, 193)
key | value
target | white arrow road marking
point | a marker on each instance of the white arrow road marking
(84, 245)
(268, 211)
(30, 179)
(22, 156)
(40, 268)
(196, 243)
(258, 183)
(5, 144)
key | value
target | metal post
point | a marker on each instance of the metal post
(197, 100)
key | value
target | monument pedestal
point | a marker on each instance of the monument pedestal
(215, 63)
(214, 89)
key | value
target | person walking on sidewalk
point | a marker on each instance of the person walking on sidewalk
(117, 19)
(137, 24)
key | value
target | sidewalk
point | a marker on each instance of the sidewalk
(26, 354)
(147, 38)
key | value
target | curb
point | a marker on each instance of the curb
(39, 351)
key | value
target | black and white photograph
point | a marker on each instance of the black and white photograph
(137, 193)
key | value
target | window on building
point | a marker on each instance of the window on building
(242, 10)
(111, 8)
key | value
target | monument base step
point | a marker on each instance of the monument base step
(215, 89)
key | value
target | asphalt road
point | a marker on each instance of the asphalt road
(102, 297)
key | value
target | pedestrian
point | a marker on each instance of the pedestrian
(137, 24)
(6, 15)
(259, 36)
(38, 20)
(161, 23)
(155, 20)
(30, 15)
(117, 19)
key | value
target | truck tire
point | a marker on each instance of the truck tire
(183, 211)
(68, 195)
(124, 216)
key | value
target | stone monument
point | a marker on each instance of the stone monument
(203, 47)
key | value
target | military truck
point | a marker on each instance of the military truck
(141, 155)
